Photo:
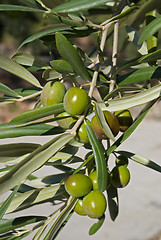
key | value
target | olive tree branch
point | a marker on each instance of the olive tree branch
(97, 62)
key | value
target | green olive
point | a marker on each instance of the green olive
(52, 93)
(79, 208)
(93, 177)
(75, 101)
(65, 122)
(125, 119)
(120, 176)
(94, 204)
(82, 135)
(78, 185)
(112, 122)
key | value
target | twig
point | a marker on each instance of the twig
(97, 62)
(114, 55)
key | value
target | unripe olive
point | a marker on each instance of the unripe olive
(125, 119)
(65, 122)
(94, 204)
(78, 185)
(82, 135)
(120, 176)
(93, 177)
(75, 101)
(79, 208)
(112, 122)
(122, 160)
(52, 93)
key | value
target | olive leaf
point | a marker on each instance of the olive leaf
(16, 69)
(113, 202)
(33, 161)
(142, 160)
(100, 160)
(103, 123)
(96, 226)
(70, 54)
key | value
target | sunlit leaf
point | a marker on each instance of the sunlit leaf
(150, 29)
(32, 197)
(132, 100)
(16, 69)
(144, 74)
(70, 54)
(7, 202)
(32, 162)
(142, 160)
(61, 66)
(8, 91)
(14, 223)
(28, 60)
(38, 113)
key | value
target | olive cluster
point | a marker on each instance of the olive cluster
(75, 101)
(91, 202)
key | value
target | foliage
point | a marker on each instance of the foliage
(112, 84)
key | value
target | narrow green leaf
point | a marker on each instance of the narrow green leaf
(133, 100)
(38, 113)
(123, 90)
(33, 161)
(32, 197)
(79, 5)
(16, 69)
(49, 33)
(32, 130)
(17, 149)
(150, 29)
(50, 74)
(7, 202)
(99, 159)
(144, 74)
(14, 223)
(142, 160)
(113, 202)
(8, 91)
(96, 226)
(70, 54)
(131, 129)
(8, 7)
(103, 123)
(61, 66)
(60, 220)
(28, 60)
